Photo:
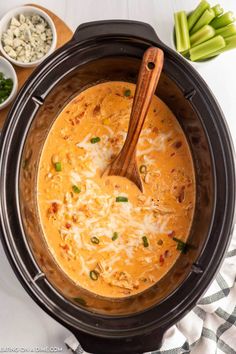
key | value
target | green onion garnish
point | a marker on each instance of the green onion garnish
(58, 167)
(95, 240)
(80, 301)
(143, 169)
(127, 92)
(95, 140)
(6, 86)
(182, 246)
(76, 189)
(121, 199)
(115, 236)
(93, 275)
(145, 241)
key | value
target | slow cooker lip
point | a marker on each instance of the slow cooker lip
(5, 143)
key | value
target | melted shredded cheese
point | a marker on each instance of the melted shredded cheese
(96, 231)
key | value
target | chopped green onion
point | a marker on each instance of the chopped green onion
(217, 10)
(227, 31)
(95, 240)
(93, 275)
(181, 31)
(76, 189)
(95, 140)
(182, 246)
(223, 20)
(205, 19)
(143, 169)
(121, 199)
(230, 43)
(115, 236)
(127, 92)
(145, 241)
(202, 35)
(80, 300)
(58, 167)
(204, 49)
(197, 13)
(6, 86)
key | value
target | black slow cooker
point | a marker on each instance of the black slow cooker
(98, 52)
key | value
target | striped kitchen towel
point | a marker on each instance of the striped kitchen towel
(210, 328)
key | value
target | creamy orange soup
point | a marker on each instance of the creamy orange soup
(106, 235)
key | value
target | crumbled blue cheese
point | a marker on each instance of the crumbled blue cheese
(28, 38)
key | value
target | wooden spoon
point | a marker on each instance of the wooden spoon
(125, 164)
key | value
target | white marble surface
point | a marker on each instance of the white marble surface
(22, 322)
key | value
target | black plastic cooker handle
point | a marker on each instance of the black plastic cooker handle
(111, 28)
(129, 345)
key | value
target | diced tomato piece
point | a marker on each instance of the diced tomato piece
(167, 253)
(53, 208)
(171, 234)
(65, 247)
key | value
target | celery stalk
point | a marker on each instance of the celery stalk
(185, 53)
(178, 41)
(204, 49)
(227, 31)
(181, 31)
(205, 19)
(230, 43)
(197, 13)
(202, 35)
(223, 20)
(217, 10)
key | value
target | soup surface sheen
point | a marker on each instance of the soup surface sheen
(105, 234)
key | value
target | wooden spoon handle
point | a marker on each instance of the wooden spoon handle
(125, 163)
(148, 77)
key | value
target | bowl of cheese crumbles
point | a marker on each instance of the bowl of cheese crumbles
(27, 36)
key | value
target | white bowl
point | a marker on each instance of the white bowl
(27, 10)
(9, 73)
